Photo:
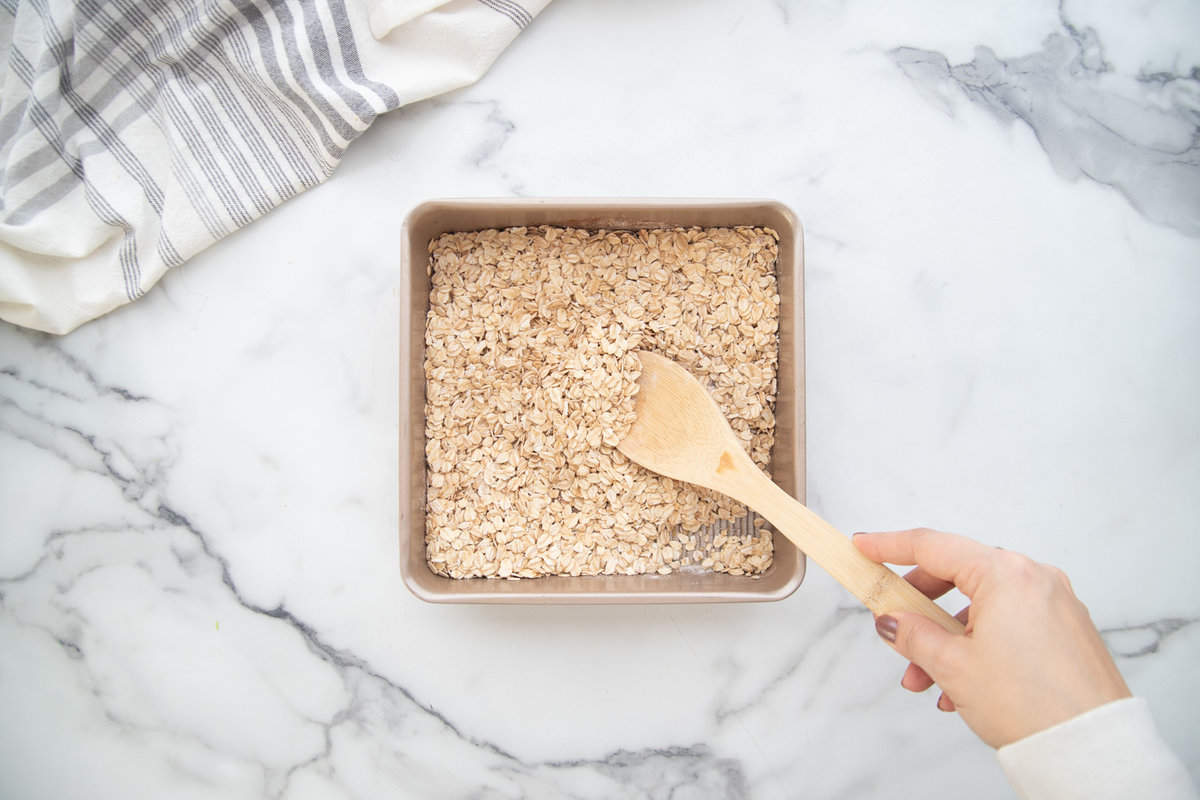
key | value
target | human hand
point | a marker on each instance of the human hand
(1031, 656)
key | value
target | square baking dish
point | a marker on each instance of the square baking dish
(435, 217)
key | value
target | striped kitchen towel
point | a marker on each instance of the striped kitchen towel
(135, 133)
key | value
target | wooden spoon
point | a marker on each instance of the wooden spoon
(681, 433)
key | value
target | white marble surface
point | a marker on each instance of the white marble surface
(199, 592)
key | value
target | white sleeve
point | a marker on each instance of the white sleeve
(1113, 751)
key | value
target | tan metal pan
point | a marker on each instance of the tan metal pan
(435, 217)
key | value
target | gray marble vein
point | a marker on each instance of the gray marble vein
(497, 130)
(1143, 639)
(1138, 133)
(728, 709)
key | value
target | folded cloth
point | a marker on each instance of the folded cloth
(135, 133)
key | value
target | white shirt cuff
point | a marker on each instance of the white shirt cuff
(1109, 752)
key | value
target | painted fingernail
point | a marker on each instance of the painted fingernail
(886, 626)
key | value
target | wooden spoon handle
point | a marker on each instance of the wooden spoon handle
(879, 589)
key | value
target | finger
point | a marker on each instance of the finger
(922, 641)
(944, 703)
(942, 555)
(927, 584)
(916, 679)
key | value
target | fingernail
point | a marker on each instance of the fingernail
(886, 626)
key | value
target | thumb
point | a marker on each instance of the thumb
(921, 640)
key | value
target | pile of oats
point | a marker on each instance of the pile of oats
(531, 373)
